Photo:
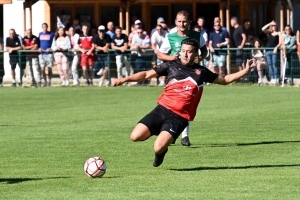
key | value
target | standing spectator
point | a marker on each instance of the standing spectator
(102, 43)
(2, 72)
(73, 57)
(162, 23)
(13, 44)
(77, 26)
(157, 39)
(31, 42)
(218, 39)
(46, 57)
(60, 45)
(289, 46)
(140, 43)
(273, 41)
(137, 25)
(207, 60)
(218, 20)
(298, 43)
(201, 22)
(86, 46)
(239, 38)
(110, 29)
(250, 37)
(120, 44)
(258, 55)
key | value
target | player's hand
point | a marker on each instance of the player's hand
(117, 81)
(48, 50)
(212, 50)
(240, 47)
(275, 51)
(175, 56)
(10, 51)
(250, 65)
(219, 45)
(105, 49)
(82, 51)
(123, 49)
(88, 53)
(40, 50)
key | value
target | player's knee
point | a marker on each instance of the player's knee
(159, 148)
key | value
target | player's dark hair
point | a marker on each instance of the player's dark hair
(56, 33)
(200, 18)
(118, 27)
(159, 26)
(184, 13)
(45, 24)
(192, 42)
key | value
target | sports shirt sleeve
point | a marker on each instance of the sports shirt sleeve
(108, 39)
(210, 76)
(165, 47)
(202, 41)
(162, 69)
(125, 38)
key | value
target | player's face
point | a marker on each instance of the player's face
(11, 34)
(187, 54)
(85, 30)
(28, 33)
(71, 31)
(44, 27)
(118, 32)
(257, 44)
(217, 27)
(182, 22)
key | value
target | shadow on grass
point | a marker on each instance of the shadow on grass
(20, 180)
(235, 167)
(244, 144)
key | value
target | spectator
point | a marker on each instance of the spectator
(140, 43)
(218, 20)
(110, 29)
(157, 39)
(31, 42)
(250, 37)
(2, 72)
(94, 31)
(86, 46)
(120, 45)
(289, 46)
(201, 22)
(218, 39)
(239, 38)
(273, 41)
(46, 57)
(162, 23)
(13, 44)
(207, 60)
(259, 57)
(77, 26)
(137, 25)
(73, 57)
(102, 43)
(298, 43)
(60, 45)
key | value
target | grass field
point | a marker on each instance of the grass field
(245, 145)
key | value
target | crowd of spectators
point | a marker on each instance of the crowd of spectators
(78, 48)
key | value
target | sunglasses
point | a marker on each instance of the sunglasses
(102, 31)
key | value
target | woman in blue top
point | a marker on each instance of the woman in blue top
(288, 39)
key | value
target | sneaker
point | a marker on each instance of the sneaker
(259, 81)
(39, 84)
(33, 84)
(162, 84)
(49, 84)
(87, 83)
(75, 83)
(185, 141)
(20, 84)
(67, 83)
(1, 85)
(100, 83)
(91, 83)
(45, 84)
(63, 83)
(159, 159)
(106, 83)
(14, 84)
(100, 73)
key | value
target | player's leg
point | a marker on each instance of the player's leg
(119, 64)
(49, 58)
(43, 68)
(90, 72)
(185, 141)
(140, 133)
(13, 73)
(75, 70)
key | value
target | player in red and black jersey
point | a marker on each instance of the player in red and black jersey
(86, 46)
(178, 103)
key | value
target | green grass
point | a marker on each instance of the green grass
(245, 145)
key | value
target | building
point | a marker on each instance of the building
(23, 14)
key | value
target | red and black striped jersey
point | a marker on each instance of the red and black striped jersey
(184, 87)
(85, 42)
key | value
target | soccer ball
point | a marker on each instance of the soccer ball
(95, 167)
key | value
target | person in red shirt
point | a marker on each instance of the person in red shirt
(86, 46)
(31, 42)
(178, 103)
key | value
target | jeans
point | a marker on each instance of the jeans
(271, 60)
(101, 62)
(120, 60)
(35, 69)
(288, 63)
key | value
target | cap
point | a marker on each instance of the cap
(160, 19)
(101, 27)
(138, 21)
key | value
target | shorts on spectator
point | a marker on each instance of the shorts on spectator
(87, 60)
(158, 61)
(102, 60)
(205, 61)
(13, 61)
(219, 60)
(46, 60)
(239, 57)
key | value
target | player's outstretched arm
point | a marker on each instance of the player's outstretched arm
(140, 76)
(236, 76)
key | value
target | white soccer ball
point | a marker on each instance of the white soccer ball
(95, 167)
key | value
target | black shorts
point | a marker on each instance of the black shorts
(162, 119)
(13, 61)
(239, 57)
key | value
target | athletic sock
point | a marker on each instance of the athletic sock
(185, 132)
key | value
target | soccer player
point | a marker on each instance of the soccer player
(178, 103)
(172, 43)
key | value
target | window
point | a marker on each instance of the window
(85, 15)
(64, 13)
(110, 13)
(159, 11)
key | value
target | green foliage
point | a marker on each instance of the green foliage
(245, 145)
